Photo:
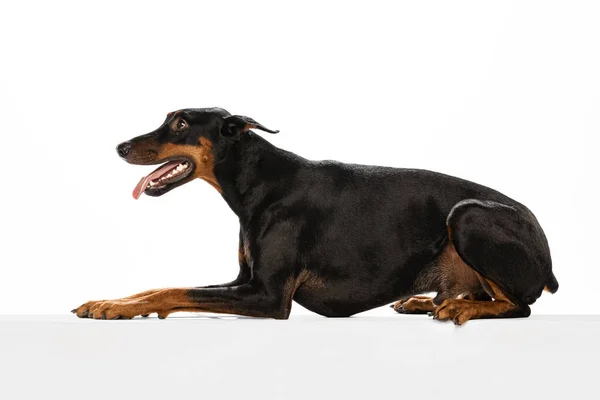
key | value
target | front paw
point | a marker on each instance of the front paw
(83, 311)
(110, 309)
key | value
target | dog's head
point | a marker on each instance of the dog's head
(187, 144)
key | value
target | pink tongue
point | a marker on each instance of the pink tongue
(143, 184)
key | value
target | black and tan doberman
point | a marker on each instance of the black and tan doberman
(339, 238)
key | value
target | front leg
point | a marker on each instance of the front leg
(250, 299)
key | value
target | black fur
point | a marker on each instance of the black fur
(363, 234)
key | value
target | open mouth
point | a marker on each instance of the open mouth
(164, 178)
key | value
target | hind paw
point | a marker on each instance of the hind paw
(414, 305)
(458, 311)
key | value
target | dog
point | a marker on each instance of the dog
(337, 238)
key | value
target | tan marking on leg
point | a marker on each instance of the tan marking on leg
(88, 306)
(151, 301)
(163, 302)
(477, 296)
(484, 284)
(244, 254)
(449, 275)
(462, 310)
(142, 294)
(415, 305)
(241, 255)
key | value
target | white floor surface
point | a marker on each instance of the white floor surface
(305, 357)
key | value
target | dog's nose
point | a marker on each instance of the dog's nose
(124, 148)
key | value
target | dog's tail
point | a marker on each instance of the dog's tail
(552, 284)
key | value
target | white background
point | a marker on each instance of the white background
(502, 93)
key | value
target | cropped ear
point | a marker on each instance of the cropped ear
(235, 125)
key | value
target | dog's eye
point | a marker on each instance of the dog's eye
(181, 125)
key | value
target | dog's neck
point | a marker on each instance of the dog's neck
(251, 171)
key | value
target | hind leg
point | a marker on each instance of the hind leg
(480, 296)
(414, 305)
(450, 277)
(460, 311)
(505, 244)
